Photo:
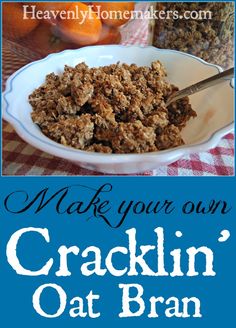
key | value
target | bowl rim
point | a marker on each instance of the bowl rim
(74, 154)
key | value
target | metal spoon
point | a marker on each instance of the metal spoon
(209, 82)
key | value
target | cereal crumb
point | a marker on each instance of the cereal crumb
(118, 108)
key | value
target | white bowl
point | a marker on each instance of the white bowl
(214, 106)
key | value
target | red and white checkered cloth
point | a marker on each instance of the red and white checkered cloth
(19, 158)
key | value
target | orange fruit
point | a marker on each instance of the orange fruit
(50, 5)
(119, 12)
(13, 23)
(109, 35)
(45, 42)
(83, 30)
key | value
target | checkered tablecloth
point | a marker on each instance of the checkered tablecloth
(19, 158)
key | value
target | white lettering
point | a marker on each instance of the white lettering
(11, 252)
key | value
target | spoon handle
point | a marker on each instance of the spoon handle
(209, 82)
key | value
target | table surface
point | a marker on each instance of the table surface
(20, 159)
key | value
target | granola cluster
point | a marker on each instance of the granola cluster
(118, 108)
(210, 37)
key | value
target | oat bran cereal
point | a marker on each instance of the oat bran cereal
(118, 108)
